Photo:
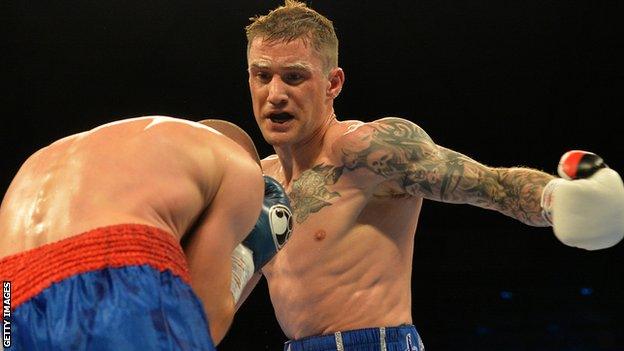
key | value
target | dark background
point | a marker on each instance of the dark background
(505, 82)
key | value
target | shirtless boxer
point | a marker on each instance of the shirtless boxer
(343, 281)
(91, 228)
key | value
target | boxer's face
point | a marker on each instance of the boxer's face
(291, 95)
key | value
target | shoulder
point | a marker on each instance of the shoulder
(269, 160)
(270, 165)
(390, 130)
(393, 125)
(399, 128)
(209, 155)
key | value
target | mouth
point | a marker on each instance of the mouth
(281, 117)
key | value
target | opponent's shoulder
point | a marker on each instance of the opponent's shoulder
(225, 167)
(208, 153)
(240, 187)
(270, 165)
(141, 123)
(269, 161)
(190, 136)
(232, 156)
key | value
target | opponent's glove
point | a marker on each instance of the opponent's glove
(270, 233)
(586, 205)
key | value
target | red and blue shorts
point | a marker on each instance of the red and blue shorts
(122, 287)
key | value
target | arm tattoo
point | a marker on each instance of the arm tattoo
(515, 192)
(395, 149)
(522, 194)
(399, 150)
(391, 145)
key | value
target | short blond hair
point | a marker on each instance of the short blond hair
(294, 20)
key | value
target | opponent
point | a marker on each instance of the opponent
(91, 228)
(343, 282)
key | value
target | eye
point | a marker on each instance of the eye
(293, 77)
(263, 76)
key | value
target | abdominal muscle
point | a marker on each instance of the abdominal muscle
(329, 279)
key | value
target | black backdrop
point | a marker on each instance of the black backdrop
(505, 82)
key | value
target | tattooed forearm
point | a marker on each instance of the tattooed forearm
(456, 178)
(522, 194)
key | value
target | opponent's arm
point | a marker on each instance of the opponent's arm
(232, 213)
(268, 236)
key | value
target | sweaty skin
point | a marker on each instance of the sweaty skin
(168, 173)
(356, 190)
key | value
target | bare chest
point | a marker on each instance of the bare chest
(326, 206)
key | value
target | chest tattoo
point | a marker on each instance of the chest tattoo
(309, 192)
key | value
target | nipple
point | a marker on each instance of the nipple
(320, 235)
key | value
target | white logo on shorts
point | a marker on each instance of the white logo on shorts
(410, 345)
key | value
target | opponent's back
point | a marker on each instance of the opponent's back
(157, 171)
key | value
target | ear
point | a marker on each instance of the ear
(336, 79)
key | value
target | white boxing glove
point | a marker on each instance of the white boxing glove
(585, 213)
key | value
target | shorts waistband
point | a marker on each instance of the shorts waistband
(343, 340)
(32, 271)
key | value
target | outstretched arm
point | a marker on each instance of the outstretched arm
(402, 159)
(405, 158)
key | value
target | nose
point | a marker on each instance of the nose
(278, 92)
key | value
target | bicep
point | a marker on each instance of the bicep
(404, 158)
(396, 153)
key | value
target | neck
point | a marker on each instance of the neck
(297, 158)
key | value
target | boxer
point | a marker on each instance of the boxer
(91, 229)
(344, 280)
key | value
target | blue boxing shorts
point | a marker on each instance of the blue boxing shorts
(401, 338)
(122, 287)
